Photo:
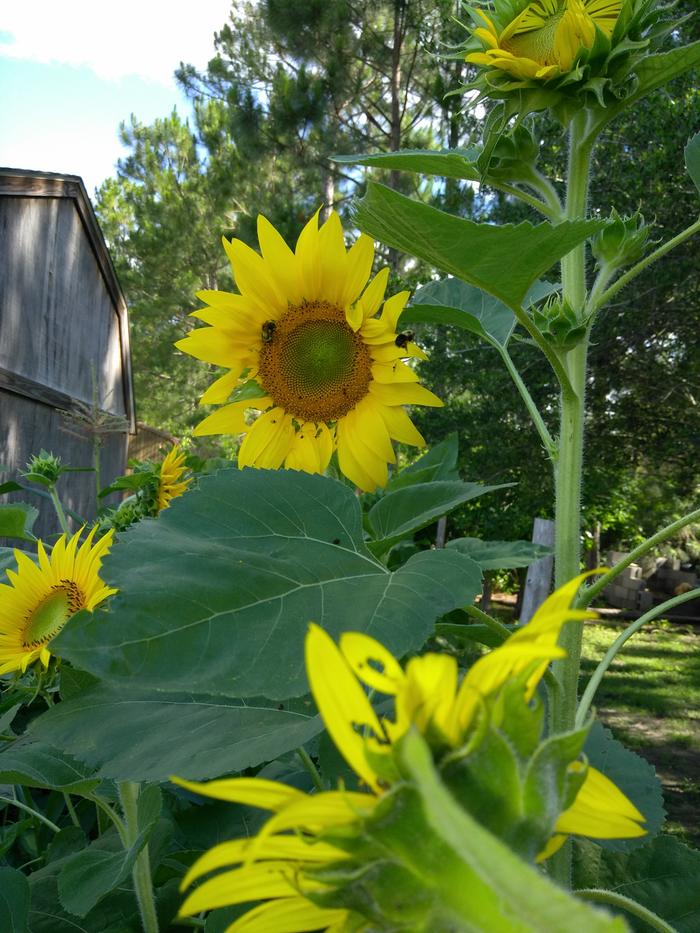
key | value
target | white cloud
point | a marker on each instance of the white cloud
(147, 38)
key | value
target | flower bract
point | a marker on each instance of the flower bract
(170, 482)
(304, 346)
(41, 597)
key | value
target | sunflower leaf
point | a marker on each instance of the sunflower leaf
(219, 591)
(14, 901)
(663, 876)
(447, 163)
(17, 520)
(404, 511)
(451, 301)
(499, 555)
(476, 253)
(635, 777)
(137, 736)
(692, 159)
(33, 764)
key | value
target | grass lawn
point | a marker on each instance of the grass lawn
(650, 699)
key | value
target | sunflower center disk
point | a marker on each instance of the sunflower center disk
(52, 613)
(315, 366)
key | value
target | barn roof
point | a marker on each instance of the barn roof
(36, 184)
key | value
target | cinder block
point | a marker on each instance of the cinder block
(645, 600)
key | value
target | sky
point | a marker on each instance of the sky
(71, 71)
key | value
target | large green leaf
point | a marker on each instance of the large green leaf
(439, 462)
(634, 776)
(17, 520)
(663, 876)
(502, 260)
(402, 512)
(453, 302)
(90, 875)
(33, 764)
(14, 901)
(692, 159)
(217, 593)
(139, 736)
(499, 555)
(449, 163)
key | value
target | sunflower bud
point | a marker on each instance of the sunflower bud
(559, 323)
(44, 468)
(621, 241)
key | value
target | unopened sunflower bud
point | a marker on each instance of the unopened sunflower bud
(559, 323)
(621, 241)
(44, 468)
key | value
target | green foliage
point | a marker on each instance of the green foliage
(663, 876)
(14, 901)
(635, 778)
(35, 764)
(138, 736)
(17, 520)
(267, 552)
(692, 159)
(499, 555)
(476, 253)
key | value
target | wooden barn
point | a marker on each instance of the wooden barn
(65, 365)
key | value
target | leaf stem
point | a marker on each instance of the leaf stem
(601, 896)
(71, 811)
(542, 430)
(606, 661)
(106, 809)
(646, 261)
(27, 809)
(310, 767)
(58, 507)
(498, 627)
(141, 874)
(587, 595)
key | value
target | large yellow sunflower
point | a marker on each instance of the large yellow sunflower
(303, 346)
(544, 40)
(39, 599)
(170, 482)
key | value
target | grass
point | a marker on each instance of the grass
(650, 698)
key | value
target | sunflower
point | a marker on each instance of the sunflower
(304, 346)
(297, 862)
(39, 599)
(545, 39)
(170, 484)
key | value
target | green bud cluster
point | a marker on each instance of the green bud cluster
(512, 152)
(559, 323)
(621, 241)
(44, 468)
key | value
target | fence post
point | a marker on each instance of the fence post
(539, 574)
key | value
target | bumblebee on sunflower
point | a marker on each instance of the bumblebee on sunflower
(303, 345)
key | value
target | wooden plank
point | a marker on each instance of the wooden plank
(538, 582)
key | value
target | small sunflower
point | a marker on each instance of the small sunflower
(303, 345)
(39, 599)
(170, 482)
(546, 38)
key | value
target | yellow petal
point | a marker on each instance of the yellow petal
(371, 662)
(359, 265)
(220, 390)
(349, 463)
(308, 260)
(288, 915)
(367, 421)
(374, 293)
(280, 261)
(253, 792)
(251, 883)
(393, 307)
(400, 426)
(601, 811)
(268, 441)
(230, 419)
(404, 394)
(341, 701)
(252, 278)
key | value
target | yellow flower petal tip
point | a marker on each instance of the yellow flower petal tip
(304, 322)
(170, 482)
(41, 598)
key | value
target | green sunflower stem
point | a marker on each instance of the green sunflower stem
(613, 899)
(569, 456)
(58, 508)
(141, 874)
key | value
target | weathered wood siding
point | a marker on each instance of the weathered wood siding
(63, 334)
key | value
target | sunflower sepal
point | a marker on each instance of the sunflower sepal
(561, 326)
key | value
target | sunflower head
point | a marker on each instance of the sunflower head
(302, 344)
(170, 482)
(563, 54)
(41, 597)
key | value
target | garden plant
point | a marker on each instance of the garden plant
(238, 701)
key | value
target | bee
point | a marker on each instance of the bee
(268, 331)
(403, 340)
